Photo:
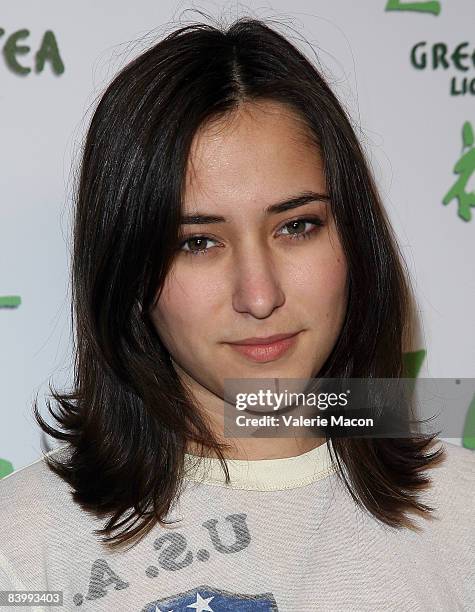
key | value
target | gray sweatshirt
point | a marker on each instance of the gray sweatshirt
(285, 536)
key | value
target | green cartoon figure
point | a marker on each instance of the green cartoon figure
(465, 167)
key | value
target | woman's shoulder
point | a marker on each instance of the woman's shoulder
(31, 473)
(37, 512)
(27, 494)
(457, 465)
(452, 490)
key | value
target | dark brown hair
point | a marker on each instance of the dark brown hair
(128, 417)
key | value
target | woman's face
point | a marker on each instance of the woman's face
(253, 273)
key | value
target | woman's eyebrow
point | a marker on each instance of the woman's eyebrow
(288, 204)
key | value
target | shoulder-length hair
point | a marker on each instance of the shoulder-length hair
(128, 417)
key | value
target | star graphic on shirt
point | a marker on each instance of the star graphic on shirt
(201, 605)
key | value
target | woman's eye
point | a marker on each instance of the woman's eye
(198, 245)
(296, 230)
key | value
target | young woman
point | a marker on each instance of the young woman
(227, 226)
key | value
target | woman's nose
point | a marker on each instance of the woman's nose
(257, 286)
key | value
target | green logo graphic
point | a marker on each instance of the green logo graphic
(5, 468)
(412, 363)
(469, 427)
(439, 56)
(465, 167)
(419, 7)
(10, 301)
(48, 51)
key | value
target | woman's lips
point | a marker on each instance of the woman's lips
(266, 352)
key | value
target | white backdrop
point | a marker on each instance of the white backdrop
(408, 120)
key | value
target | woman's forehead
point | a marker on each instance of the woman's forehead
(251, 128)
(251, 167)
